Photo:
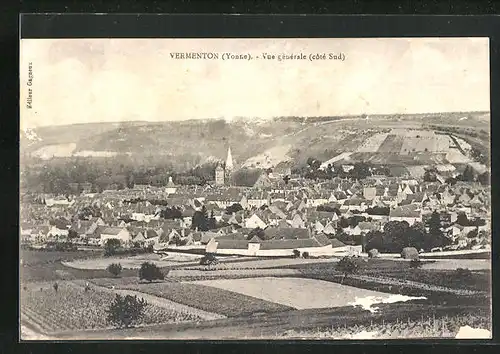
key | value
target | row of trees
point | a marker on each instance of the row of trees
(397, 235)
(361, 170)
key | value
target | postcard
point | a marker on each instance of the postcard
(255, 188)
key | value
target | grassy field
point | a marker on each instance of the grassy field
(73, 308)
(206, 298)
(299, 293)
(44, 257)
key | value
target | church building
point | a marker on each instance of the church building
(223, 174)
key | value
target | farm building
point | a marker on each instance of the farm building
(318, 245)
(119, 233)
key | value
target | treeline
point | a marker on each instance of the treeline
(60, 178)
(397, 235)
(360, 170)
(461, 130)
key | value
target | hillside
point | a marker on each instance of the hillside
(257, 143)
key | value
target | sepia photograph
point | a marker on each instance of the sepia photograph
(255, 189)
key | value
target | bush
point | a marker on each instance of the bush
(111, 246)
(415, 263)
(296, 253)
(463, 273)
(126, 311)
(409, 253)
(209, 259)
(150, 272)
(346, 266)
(373, 253)
(115, 269)
(305, 254)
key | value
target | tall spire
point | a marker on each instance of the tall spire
(229, 160)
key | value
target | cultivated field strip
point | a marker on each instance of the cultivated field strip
(166, 304)
(392, 144)
(425, 328)
(298, 293)
(414, 284)
(72, 308)
(204, 298)
(263, 263)
(231, 273)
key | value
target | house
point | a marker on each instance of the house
(119, 233)
(263, 182)
(255, 221)
(369, 193)
(297, 222)
(366, 226)
(408, 213)
(354, 231)
(318, 227)
(353, 204)
(139, 239)
(276, 233)
(330, 229)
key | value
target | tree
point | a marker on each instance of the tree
(257, 232)
(343, 222)
(430, 176)
(150, 272)
(126, 311)
(395, 236)
(436, 237)
(72, 234)
(313, 163)
(451, 181)
(462, 219)
(374, 240)
(347, 266)
(115, 269)
(200, 220)
(111, 246)
(468, 174)
(417, 236)
(236, 207)
(484, 178)
(435, 225)
(415, 263)
(209, 259)
(361, 170)
(296, 253)
(55, 286)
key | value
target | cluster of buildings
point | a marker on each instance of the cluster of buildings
(275, 217)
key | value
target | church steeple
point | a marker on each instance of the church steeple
(229, 160)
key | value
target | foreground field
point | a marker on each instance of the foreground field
(444, 327)
(298, 293)
(277, 325)
(72, 308)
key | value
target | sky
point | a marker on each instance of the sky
(113, 80)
